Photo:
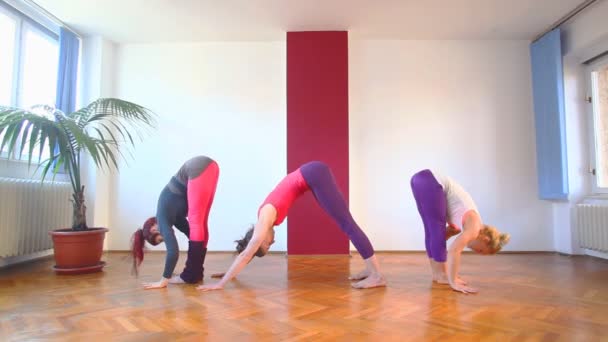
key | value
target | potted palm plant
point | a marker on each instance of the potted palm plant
(99, 130)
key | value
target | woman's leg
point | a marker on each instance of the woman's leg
(432, 206)
(181, 223)
(323, 185)
(321, 181)
(201, 191)
(165, 212)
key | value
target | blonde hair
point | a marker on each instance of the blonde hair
(496, 240)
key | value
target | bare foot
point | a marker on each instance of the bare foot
(440, 279)
(451, 230)
(361, 275)
(374, 280)
(176, 279)
(443, 279)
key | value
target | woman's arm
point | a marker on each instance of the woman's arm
(260, 231)
(471, 228)
(166, 230)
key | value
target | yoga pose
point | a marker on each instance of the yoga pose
(440, 200)
(189, 194)
(316, 177)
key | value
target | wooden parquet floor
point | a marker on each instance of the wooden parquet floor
(523, 297)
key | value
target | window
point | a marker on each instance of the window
(8, 26)
(29, 59)
(39, 75)
(599, 105)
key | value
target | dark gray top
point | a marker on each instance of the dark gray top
(190, 170)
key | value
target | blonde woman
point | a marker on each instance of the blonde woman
(441, 200)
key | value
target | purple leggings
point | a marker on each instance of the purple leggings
(432, 207)
(321, 182)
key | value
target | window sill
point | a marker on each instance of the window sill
(595, 199)
(15, 168)
(4, 157)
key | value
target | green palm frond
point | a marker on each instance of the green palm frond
(99, 130)
(33, 128)
(115, 115)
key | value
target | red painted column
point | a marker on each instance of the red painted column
(317, 129)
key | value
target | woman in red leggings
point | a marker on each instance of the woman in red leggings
(184, 203)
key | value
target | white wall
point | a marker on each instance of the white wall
(97, 80)
(582, 38)
(461, 107)
(224, 100)
(578, 157)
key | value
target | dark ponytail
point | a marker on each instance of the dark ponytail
(241, 244)
(137, 250)
(138, 240)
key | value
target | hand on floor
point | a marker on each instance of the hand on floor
(463, 288)
(460, 281)
(209, 287)
(442, 278)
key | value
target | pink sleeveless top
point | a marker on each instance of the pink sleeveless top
(285, 193)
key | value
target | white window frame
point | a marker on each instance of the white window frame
(600, 63)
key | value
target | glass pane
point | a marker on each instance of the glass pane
(7, 46)
(40, 65)
(45, 152)
(40, 57)
(600, 109)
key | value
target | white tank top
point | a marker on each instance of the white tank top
(459, 201)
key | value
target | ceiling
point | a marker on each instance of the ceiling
(144, 21)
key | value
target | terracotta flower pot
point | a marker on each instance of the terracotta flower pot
(78, 252)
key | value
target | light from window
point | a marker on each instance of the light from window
(40, 60)
(600, 110)
(29, 61)
(7, 46)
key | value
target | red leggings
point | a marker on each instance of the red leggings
(201, 191)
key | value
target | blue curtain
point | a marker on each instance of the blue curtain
(549, 114)
(68, 69)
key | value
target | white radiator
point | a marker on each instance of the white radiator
(592, 226)
(28, 211)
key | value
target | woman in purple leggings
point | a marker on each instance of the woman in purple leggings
(440, 200)
(316, 177)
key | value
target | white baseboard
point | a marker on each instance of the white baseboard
(596, 254)
(4, 262)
